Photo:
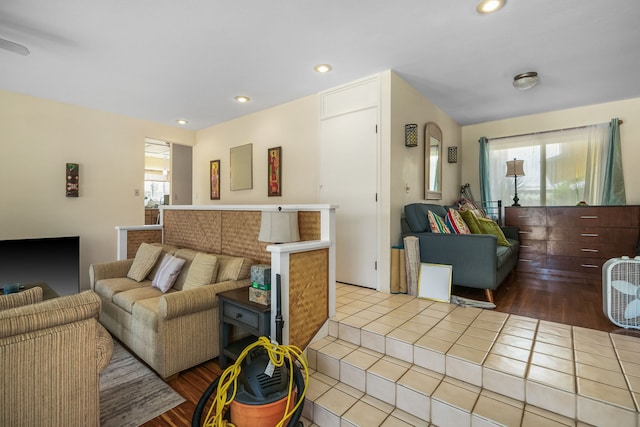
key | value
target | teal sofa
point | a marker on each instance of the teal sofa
(477, 259)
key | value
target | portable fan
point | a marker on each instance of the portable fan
(621, 291)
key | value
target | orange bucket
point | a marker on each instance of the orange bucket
(269, 415)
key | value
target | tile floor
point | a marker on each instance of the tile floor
(396, 360)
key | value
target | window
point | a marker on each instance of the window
(561, 167)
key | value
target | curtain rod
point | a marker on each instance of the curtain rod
(549, 131)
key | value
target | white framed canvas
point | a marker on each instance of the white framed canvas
(434, 281)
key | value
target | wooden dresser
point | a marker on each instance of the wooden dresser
(573, 240)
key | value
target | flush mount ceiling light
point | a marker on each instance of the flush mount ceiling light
(242, 99)
(525, 80)
(490, 6)
(322, 68)
(182, 121)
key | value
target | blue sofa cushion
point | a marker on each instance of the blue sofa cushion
(417, 215)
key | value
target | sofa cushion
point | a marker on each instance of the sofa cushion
(489, 226)
(455, 222)
(107, 288)
(233, 268)
(203, 271)
(167, 273)
(125, 300)
(146, 257)
(503, 253)
(437, 225)
(188, 255)
(471, 221)
(416, 215)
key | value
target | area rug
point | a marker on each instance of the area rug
(131, 393)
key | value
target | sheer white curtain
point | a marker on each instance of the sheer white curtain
(561, 167)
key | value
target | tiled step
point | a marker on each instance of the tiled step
(419, 362)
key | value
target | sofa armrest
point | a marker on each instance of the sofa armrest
(187, 301)
(108, 270)
(472, 256)
(511, 232)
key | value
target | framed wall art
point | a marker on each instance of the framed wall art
(214, 178)
(73, 180)
(274, 168)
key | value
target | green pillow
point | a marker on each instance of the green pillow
(490, 227)
(471, 221)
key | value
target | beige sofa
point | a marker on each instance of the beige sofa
(51, 353)
(170, 331)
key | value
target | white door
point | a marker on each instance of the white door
(348, 178)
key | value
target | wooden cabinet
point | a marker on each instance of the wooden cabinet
(151, 216)
(573, 240)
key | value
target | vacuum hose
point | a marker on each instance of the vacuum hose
(298, 379)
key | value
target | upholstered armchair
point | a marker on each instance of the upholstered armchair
(51, 353)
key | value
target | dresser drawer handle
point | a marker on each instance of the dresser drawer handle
(589, 234)
(238, 315)
(589, 217)
(525, 260)
(588, 266)
(525, 246)
(588, 250)
(525, 232)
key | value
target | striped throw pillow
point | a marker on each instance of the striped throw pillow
(146, 257)
(203, 271)
(167, 273)
(437, 225)
(455, 222)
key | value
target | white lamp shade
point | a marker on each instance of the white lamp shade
(279, 227)
(515, 167)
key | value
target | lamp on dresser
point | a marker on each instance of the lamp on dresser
(515, 169)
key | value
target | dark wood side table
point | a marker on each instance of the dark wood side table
(236, 310)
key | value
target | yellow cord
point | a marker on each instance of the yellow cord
(277, 355)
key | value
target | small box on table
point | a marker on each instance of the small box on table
(260, 296)
(261, 276)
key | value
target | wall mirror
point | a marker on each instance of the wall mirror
(432, 162)
(241, 167)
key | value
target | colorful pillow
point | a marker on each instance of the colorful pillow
(437, 225)
(203, 270)
(490, 227)
(472, 221)
(455, 222)
(146, 257)
(167, 273)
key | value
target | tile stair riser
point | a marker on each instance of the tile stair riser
(435, 411)
(532, 364)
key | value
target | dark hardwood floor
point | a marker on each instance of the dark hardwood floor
(573, 301)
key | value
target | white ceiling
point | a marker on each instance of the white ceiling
(162, 60)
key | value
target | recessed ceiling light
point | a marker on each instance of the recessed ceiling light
(489, 6)
(322, 68)
(182, 121)
(242, 99)
(525, 80)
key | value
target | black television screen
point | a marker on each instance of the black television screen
(53, 260)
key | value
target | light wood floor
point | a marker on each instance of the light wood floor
(574, 301)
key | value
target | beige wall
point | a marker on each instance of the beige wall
(292, 126)
(38, 137)
(626, 110)
(407, 164)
